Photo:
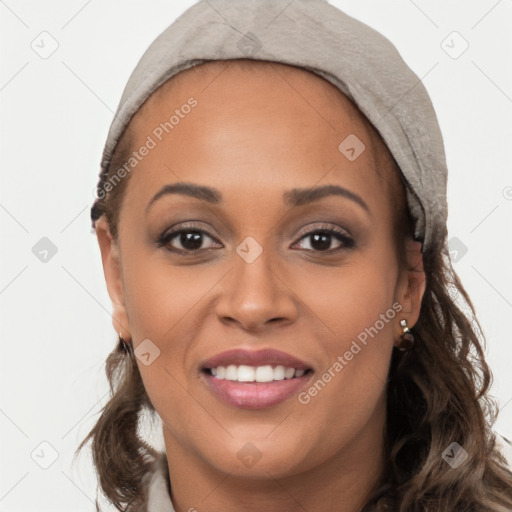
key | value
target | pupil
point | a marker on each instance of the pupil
(191, 240)
(321, 241)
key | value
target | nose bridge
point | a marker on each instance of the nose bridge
(256, 293)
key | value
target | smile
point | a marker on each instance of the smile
(255, 379)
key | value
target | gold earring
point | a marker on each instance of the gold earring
(406, 338)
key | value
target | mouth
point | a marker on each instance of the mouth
(255, 379)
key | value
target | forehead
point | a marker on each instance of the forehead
(265, 85)
(255, 122)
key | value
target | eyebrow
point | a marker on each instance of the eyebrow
(293, 197)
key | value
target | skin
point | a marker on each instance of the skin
(257, 131)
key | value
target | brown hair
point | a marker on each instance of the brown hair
(437, 394)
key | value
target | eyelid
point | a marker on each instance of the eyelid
(324, 227)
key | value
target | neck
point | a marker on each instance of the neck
(342, 483)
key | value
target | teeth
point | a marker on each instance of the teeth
(264, 374)
(231, 372)
(279, 372)
(244, 373)
(289, 373)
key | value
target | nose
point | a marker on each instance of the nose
(256, 295)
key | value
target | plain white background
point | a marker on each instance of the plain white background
(55, 113)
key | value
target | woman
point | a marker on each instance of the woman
(271, 216)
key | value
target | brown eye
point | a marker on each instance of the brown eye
(186, 239)
(320, 240)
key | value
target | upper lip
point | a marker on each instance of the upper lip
(262, 357)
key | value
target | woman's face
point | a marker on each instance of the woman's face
(263, 263)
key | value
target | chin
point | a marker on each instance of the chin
(253, 458)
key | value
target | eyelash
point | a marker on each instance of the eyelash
(166, 237)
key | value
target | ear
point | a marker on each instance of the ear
(412, 283)
(112, 269)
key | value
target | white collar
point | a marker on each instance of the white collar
(159, 499)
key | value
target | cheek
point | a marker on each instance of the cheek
(350, 298)
(160, 297)
(166, 305)
(358, 316)
(160, 303)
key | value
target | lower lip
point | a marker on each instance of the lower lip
(255, 395)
